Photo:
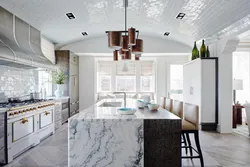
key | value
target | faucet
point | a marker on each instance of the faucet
(124, 97)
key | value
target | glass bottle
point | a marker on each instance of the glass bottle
(203, 49)
(208, 52)
(195, 52)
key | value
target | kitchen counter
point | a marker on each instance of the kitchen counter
(99, 136)
(96, 112)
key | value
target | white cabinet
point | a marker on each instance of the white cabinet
(200, 87)
(46, 118)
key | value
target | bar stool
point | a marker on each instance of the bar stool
(163, 102)
(169, 104)
(190, 125)
(177, 109)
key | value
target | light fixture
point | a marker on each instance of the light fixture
(84, 33)
(70, 15)
(180, 16)
(166, 33)
(237, 85)
(125, 41)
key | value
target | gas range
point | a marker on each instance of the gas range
(27, 107)
(21, 103)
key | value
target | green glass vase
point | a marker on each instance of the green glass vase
(203, 49)
(195, 52)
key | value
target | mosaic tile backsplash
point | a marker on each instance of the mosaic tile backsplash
(15, 82)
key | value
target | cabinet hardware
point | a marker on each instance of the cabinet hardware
(47, 113)
(24, 120)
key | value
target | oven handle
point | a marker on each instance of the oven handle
(47, 113)
(24, 120)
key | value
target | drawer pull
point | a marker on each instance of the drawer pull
(47, 113)
(24, 120)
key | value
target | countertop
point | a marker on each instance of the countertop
(96, 112)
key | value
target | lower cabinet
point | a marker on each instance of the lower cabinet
(46, 118)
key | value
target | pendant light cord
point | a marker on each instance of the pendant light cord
(125, 6)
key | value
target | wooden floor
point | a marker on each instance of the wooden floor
(227, 150)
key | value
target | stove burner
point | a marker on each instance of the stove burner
(21, 103)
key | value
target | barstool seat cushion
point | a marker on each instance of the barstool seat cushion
(187, 125)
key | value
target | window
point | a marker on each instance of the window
(104, 77)
(147, 76)
(241, 71)
(45, 81)
(125, 77)
(176, 82)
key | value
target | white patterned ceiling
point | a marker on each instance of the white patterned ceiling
(204, 18)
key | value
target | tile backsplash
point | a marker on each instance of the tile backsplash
(16, 82)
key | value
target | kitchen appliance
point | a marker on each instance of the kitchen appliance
(26, 124)
(65, 110)
(20, 44)
(68, 62)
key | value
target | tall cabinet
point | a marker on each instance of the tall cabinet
(69, 63)
(200, 87)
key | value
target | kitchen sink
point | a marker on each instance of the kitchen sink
(111, 104)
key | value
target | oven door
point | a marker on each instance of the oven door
(22, 128)
(46, 118)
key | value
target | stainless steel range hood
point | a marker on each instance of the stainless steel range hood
(20, 43)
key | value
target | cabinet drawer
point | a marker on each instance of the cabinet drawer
(22, 128)
(46, 118)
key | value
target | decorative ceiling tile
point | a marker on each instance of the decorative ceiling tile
(203, 19)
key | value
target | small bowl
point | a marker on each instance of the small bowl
(126, 111)
(140, 104)
(153, 107)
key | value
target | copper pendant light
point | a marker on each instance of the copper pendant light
(138, 48)
(125, 43)
(127, 55)
(114, 39)
(131, 36)
(121, 52)
(115, 55)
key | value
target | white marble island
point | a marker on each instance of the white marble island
(99, 136)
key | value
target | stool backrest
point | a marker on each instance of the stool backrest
(163, 102)
(178, 108)
(169, 104)
(191, 114)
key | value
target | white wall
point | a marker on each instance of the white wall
(150, 45)
(87, 75)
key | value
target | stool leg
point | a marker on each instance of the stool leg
(189, 145)
(185, 142)
(197, 142)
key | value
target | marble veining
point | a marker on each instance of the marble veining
(106, 143)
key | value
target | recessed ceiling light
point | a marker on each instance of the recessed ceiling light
(70, 15)
(166, 33)
(84, 33)
(180, 15)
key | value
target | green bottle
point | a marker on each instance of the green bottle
(195, 52)
(207, 53)
(203, 49)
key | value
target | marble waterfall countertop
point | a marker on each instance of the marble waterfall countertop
(96, 112)
(101, 137)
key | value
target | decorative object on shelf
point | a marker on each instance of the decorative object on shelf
(208, 52)
(125, 41)
(59, 78)
(237, 85)
(195, 52)
(203, 49)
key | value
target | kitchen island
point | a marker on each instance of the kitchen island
(99, 136)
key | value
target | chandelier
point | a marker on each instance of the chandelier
(125, 43)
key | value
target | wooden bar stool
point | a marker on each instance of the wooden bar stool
(190, 125)
(169, 104)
